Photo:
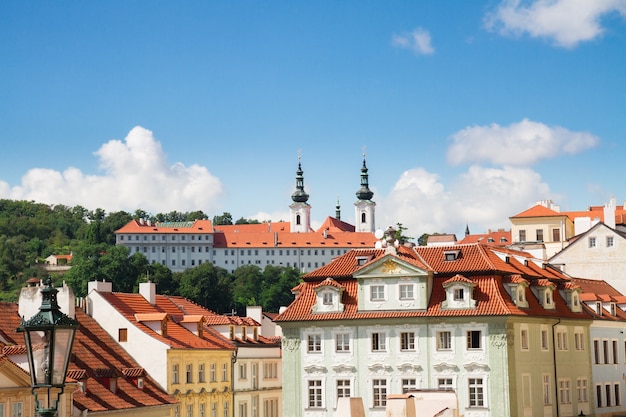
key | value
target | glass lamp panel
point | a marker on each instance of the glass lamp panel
(38, 344)
(62, 349)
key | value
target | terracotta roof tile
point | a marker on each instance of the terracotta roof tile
(195, 227)
(538, 211)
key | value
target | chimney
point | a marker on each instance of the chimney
(148, 291)
(100, 286)
(30, 301)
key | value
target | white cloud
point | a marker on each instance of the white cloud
(518, 144)
(418, 41)
(481, 198)
(136, 175)
(565, 22)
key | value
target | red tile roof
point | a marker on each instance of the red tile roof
(486, 269)
(96, 357)
(195, 227)
(495, 238)
(538, 211)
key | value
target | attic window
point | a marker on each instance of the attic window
(491, 240)
(451, 255)
(613, 309)
(503, 239)
(599, 308)
(328, 298)
(361, 260)
(458, 294)
(140, 382)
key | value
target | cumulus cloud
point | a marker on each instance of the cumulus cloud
(564, 22)
(136, 175)
(482, 198)
(519, 144)
(418, 41)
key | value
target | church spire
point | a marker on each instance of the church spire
(364, 193)
(338, 210)
(299, 196)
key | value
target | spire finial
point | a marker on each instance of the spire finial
(364, 193)
(299, 196)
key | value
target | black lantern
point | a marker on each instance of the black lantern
(49, 336)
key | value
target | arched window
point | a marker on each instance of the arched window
(297, 219)
(363, 218)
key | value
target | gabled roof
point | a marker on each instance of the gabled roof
(481, 264)
(493, 238)
(579, 239)
(333, 225)
(538, 211)
(194, 227)
(598, 290)
(96, 356)
(177, 336)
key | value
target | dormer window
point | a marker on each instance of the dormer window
(140, 382)
(361, 260)
(548, 296)
(599, 308)
(613, 309)
(458, 294)
(451, 255)
(327, 298)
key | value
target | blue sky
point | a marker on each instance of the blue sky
(469, 112)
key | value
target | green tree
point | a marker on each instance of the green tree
(277, 284)
(423, 239)
(209, 286)
(246, 286)
(225, 218)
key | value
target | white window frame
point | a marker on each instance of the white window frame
(524, 338)
(407, 292)
(378, 342)
(476, 392)
(314, 343)
(377, 292)
(343, 342)
(380, 388)
(315, 393)
(443, 336)
(407, 341)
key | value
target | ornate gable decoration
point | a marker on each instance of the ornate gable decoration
(459, 293)
(328, 297)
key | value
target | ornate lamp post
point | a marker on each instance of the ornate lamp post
(49, 336)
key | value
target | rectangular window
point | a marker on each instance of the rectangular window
(379, 342)
(122, 335)
(539, 235)
(522, 235)
(377, 293)
(445, 384)
(243, 371)
(174, 374)
(596, 352)
(607, 390)
(314, 344)
(444, 340)
(343, 388)
(556, 235)
(224, 372)
(599, 396)
(561, 339)
(616, 394)
(243, 409)
(609, 241)
(605, 352)
(270, 408)
(592, 242)
(201, 372)
(547, 400)
(544, 339)
(189, 374)
(526, 391)
(315, 393)
(458, 294)
(327, 298)
(407, 341)
(473, 339)
(579, 340)
(524, 339)
(564, 391)
(476, 392)
(17, 410)
(409, 384)
(189, 410)
(581, 390)
(342, 342)
(213, 373)
(615, 352)
(379, 392)
(407, 292)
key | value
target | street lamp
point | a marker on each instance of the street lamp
(49, 336)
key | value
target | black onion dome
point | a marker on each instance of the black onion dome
(299, 196)
(364, 193)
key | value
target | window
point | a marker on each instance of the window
(544, 339)
(122, 335)
(213, 373)
(407, 341)
(201, 372)
(201, 408)
(315, 393)
(596, 352)
(189, 410)
(444, 340)
(561, 339)
(473, 339)
(379, 392)
(377, 293)
(458, 294)
(189, 373)
(579, 339)
(615, 352)
(343, 388)
(174, 374)
(539, 235)
(445, 384)
(314, 344)
(607, 390)
(592, 242)
(409, 384)
(213, 409)
(17, 410)
(243, 409)
(522, 235)
(243, 371)
(224, 372)
(609, 241)
(599, 396)
(406, 292)
(617, 397)
(177, 411)
(476, 392)
(270, 370)
(526, 391)
(581, 390)
(546, 389)
(524, 339)
(342, 342)
(605, 351)
(556, 235)
(328, 298)
(564, 391)
(270, 407)
(379, 342)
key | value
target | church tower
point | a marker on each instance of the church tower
(364, 207)
(300, 209)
